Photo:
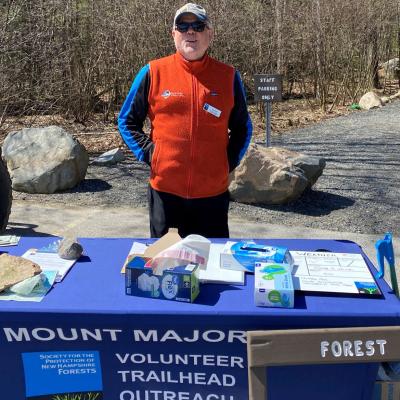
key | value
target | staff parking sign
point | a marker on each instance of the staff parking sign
(268, 88)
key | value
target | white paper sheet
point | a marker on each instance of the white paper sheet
(138, 248)
(332, 272)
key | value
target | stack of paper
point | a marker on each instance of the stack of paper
(215, 274)
(9, 240)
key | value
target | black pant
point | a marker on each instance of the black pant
(206, 216)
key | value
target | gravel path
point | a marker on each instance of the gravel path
(359, 190)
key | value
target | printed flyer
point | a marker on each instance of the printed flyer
(332, 272)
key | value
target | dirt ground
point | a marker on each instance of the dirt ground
(99, 136)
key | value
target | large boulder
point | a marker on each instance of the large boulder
(273, 175)
(370, 100)
(44, 160)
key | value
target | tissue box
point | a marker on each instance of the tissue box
(242, 256)
(179, 284)
(273, 285)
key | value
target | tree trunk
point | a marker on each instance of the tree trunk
(375, 59)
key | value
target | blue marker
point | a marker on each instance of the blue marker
(384, 249)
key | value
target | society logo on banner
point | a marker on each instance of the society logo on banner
(63, 375)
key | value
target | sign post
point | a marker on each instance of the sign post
(268, 88)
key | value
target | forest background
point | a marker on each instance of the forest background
(76, 59)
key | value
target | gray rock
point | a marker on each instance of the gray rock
(110, 157)
(44, 160)
(70, 249)
(370, 100)
(14, 269)
(311, 166)
(273, 175)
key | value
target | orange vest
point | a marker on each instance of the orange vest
(189, 108)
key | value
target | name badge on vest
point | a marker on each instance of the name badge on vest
(212, 110)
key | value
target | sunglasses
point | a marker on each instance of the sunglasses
(197, 26)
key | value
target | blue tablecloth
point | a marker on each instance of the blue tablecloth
(125, 335)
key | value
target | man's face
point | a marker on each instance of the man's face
(192, 45)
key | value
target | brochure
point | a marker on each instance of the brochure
(41, 284)
(50, 262)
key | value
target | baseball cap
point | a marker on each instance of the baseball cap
(191, 8)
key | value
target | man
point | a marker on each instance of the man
(200, 130)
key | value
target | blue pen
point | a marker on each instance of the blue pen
(384, 249)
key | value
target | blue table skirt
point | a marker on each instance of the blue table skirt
(88, 313)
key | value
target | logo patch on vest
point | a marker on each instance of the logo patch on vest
(212, 110)
(167, 93)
